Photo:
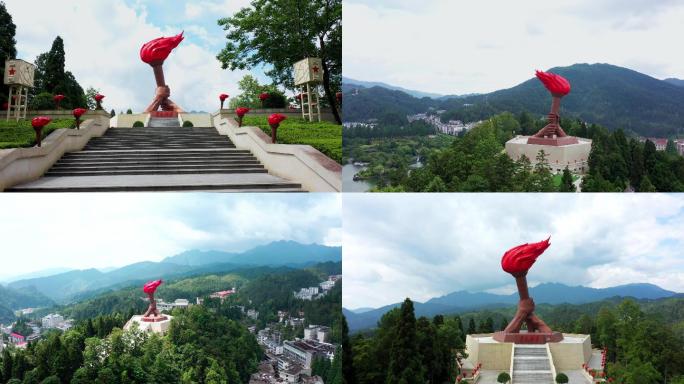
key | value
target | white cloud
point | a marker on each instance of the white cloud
(458, 47)
(427, 245)
(103, 230)
(102, 43)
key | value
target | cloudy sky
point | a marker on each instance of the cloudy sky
(459, 47)
(103, 38)
(78, 231)
(422, 246)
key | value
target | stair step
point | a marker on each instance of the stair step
(156, 162)
(157, 171)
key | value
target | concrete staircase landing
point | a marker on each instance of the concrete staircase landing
(159, 158)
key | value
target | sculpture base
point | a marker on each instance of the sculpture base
(154, 319)
(554, 141)
(164, 114)
(160, 326)
(528, 338)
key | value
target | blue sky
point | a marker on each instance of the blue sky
(102, 40)
(107, 230)
(427, 245)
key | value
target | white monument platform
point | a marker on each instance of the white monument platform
(574, 156)
(160, 327)
(528, 362)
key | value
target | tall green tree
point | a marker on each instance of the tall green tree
(566, 182)
(52, 77)
(404, 359)
(8, 44)
(348, 373)
(282, 32)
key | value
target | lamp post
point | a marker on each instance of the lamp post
(38, 123)
(274, 121)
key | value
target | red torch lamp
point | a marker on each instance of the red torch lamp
(58, 100)
(263, 97)
(223, 98)
(241, 112)
(274, 121)
(98, 99)
(78, 112)
(38, 123)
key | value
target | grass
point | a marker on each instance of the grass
(20, 134)
(558, 178)
(324, 136)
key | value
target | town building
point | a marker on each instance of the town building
(317, 332)
(53, 320)
(178, 303)
(305, 351)
(253, 314)
(306, 293)
(223, 294)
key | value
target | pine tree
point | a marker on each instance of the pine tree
(348, 374)
(566, 182)
(404, 362)
(471, 327)
(646, 185)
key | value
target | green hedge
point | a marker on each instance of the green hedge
(324, 136)
(21, 134)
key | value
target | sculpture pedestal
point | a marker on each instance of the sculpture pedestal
(528, 338)
(154, 324)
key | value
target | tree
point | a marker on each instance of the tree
(404, 359)
(562, 378)
(646, 185)
(348, 374)
(90, 97)
(542, 179)
(51, 77)
(282, 32)
(471, 327)
(671, 147)
(503, 378)
(112, 113)
(8, 48)
(251, 89)
(566, 182)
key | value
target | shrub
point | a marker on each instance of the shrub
(562, 378)
(129, 112)
(275, 100)
(42, 101)
(188, 123)
(503, 378)
(138, 124)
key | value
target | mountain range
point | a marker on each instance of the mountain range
(548, 293)
(78, 284)
(371, 84)
(604, 94)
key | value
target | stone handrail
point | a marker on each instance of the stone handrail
(550, 356)
(21, 165)
(302, 164)
(510, 370)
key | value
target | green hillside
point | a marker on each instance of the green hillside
(603, 94)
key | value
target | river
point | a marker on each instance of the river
(348, 183)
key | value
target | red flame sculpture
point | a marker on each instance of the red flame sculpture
(517, 261)
(78, 112)
(274, 121)
(152, 314)
(241, 112)
(154, 53)
(38, 123)
(58, 100)
(552, 133)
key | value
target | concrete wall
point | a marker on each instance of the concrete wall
(574, 156)
(326, 114)
(197, 119)
(126, 121)
(299, 163)
(492, 355)
(21, 165)
(571, 355)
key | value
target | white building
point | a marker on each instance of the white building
(306, 293)
(52, 320)
(317, 332)
(178, 303)
(253, 314)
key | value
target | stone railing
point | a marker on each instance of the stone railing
(302, 164)
(21, 165)
(553, 366)
(55, 114)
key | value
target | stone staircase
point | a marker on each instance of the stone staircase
(162, 157)
(531, 365)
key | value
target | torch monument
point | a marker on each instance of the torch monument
(154, 53)
(152, 320)
(561, 149)
(517, 261)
